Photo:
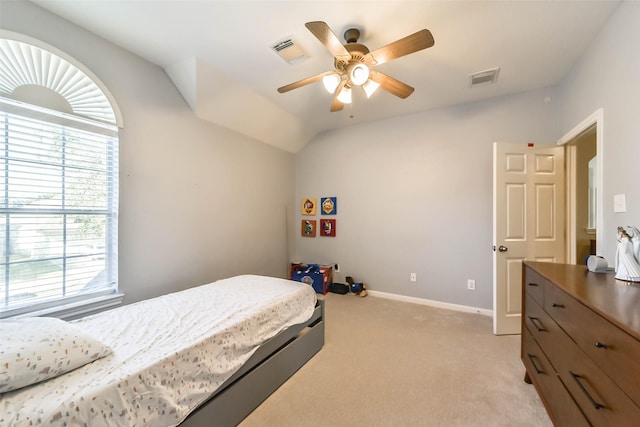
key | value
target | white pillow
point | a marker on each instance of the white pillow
(35, 349)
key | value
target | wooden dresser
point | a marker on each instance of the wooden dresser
(581, 344)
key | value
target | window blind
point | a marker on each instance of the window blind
(58, 209)
(24, 64)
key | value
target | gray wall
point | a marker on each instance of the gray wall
(197, 202)
(607, 77)
(415, 195)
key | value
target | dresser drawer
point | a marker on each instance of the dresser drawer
(613, 350)
(542, 328)
(600, 399)
(533, 285)
(535, 318)
(559, 403)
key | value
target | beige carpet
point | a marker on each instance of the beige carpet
(390, 363)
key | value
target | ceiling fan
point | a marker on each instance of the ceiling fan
(353, 61)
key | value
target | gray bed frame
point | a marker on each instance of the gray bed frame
(269, 367)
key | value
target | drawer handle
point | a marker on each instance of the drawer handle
(577, 378)
(556, 305)
(533, 284)
(533, 362)
(601, 345)
(535, 321)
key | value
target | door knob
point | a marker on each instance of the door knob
(502, 248)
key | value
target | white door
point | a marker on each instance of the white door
(528, 221)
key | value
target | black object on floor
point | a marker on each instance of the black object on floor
(338, 288)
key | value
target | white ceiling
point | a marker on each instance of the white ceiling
(218, 53)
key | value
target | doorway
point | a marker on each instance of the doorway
(583, 145)
(581, 168)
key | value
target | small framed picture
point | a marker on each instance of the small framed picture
(328, 227)
(329, 205)
(308, 228)
(309, 206)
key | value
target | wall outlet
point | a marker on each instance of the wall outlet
(413, 277)
(336, 267)
(471, 285)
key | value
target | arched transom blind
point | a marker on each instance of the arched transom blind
(24, 64)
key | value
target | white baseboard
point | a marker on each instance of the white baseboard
(432, 303)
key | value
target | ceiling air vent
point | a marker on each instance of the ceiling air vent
(289, 51)
(484, 77)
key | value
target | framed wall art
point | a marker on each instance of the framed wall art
(328, 227)
(308, 228)
(309, 206)
(329, 205)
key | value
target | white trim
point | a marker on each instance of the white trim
(78, 309)
(41, 113)
(593, 118)
(432, 303)
(597, 118)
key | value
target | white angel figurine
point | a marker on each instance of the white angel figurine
(627, 260)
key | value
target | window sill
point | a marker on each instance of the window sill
(78, 309)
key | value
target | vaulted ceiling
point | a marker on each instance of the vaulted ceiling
(220, 55)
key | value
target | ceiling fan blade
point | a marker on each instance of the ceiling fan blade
(303, 82)
(327, 37)
(337, 105)
(391, 85)
(410, 44)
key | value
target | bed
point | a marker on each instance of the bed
(206, 356)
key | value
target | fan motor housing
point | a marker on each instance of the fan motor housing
(357, 52)
(352, 35)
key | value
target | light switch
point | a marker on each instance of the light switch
(619, 203)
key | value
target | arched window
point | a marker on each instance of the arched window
(58, 184)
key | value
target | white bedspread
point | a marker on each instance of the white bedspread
(169, 354)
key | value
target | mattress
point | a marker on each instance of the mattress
(169, 355)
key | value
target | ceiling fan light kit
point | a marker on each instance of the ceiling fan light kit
(352, 63)
(370, 87)
(345, 95)
(358, 73)
(331, 82)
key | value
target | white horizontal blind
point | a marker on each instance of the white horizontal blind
(58, 212)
